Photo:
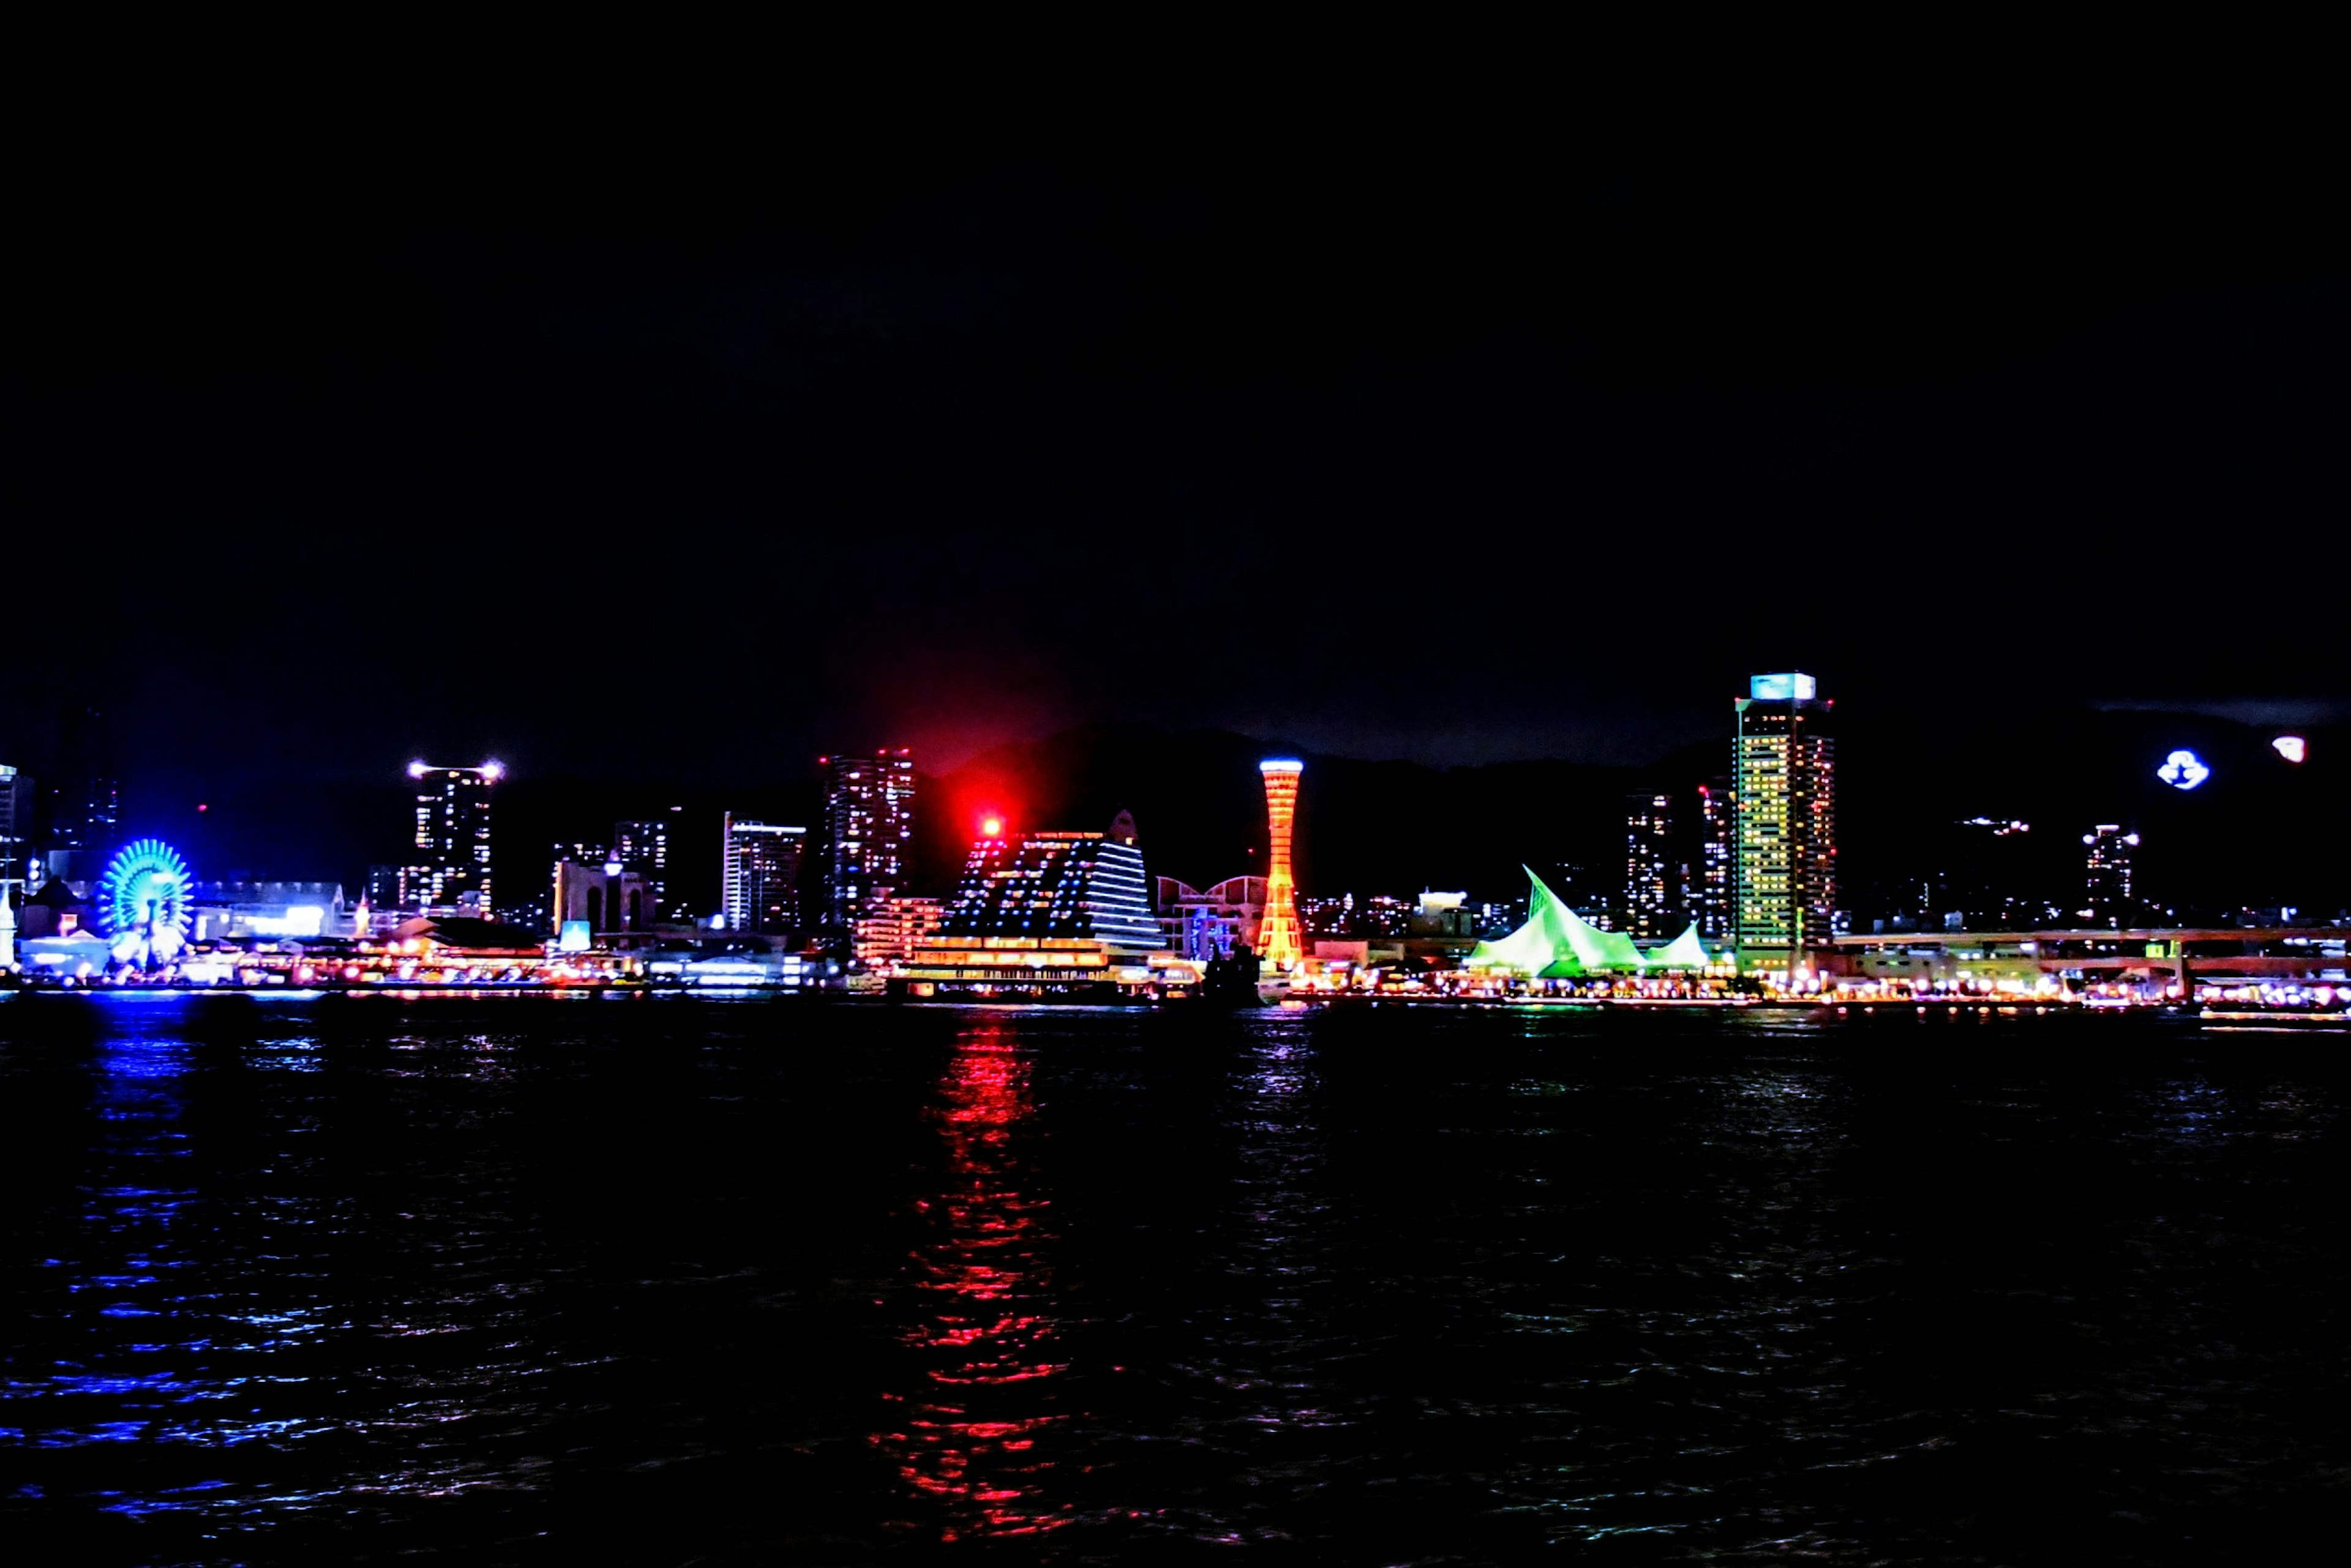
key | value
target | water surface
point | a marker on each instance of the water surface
(526, 1280)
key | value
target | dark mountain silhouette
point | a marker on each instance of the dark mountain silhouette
(1362, 826)
(2260, 832)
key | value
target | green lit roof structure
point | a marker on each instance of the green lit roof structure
(1557, 944)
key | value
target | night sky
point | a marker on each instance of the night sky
(1457, 447)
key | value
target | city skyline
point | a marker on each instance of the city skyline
(1329, 832)
(1957, 801)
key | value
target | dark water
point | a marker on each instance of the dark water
(554, 1281)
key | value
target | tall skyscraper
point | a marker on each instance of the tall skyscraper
(1277, 936)
(642, 848)
(1651, 887)
(1712, 896)
(84, 800)
(15, 820)
(869, 816)
(2108, 884)
(762, 877)
(1784, 859)
(449, 872)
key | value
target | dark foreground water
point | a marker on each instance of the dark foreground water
(541, 1282)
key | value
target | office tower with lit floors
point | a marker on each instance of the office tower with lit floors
(83, 801)
(868, 819)
(1713, 870)
(449, 872)
(1278, 934)
(762, 876)
(641, 847)
(15, 820)
(1784, 851)
(1651, 885)
(2108, 892)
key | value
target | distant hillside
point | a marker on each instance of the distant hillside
(1200, 807)
(2261, 831)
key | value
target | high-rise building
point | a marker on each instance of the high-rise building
(1785, 862)
(1325, 915)
(1711, 895)
(449, 872)
(1383, 914)
(1278, 933)
(642, 848)
(762, 876)
(15, 820)
(2109, 891)
(1651, 902)
(84, 802)
(869, 818)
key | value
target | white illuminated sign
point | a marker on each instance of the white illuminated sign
(302, 920)
(2183, 771)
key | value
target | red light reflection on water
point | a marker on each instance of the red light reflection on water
(968, 1439)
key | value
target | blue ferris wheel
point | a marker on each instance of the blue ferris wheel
(142, 901)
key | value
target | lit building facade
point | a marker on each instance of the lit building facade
(892, 929)
(1325, 915)
(1711, 898)
(15, 820)
(603, 895)
(1212, 923)
(868, 819)
(1053, 911)
(1279, 941)
(83, 802)
(642, 848)
(449, 872)
(760, 887)
(285, 911)
(2108, 890)
(1651, 887)
(1785, 856)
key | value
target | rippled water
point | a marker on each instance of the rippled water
(525, 1280)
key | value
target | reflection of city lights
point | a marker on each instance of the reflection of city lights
(2292, 748)
(968, 1440)
(2183, 771)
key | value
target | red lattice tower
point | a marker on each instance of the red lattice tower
(1278, 934)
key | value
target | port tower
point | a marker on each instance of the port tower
(1278, 934)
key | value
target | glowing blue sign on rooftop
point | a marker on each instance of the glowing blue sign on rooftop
(2183, 771)
(1789, 687)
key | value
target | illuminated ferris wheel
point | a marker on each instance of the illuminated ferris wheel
(142, 901)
